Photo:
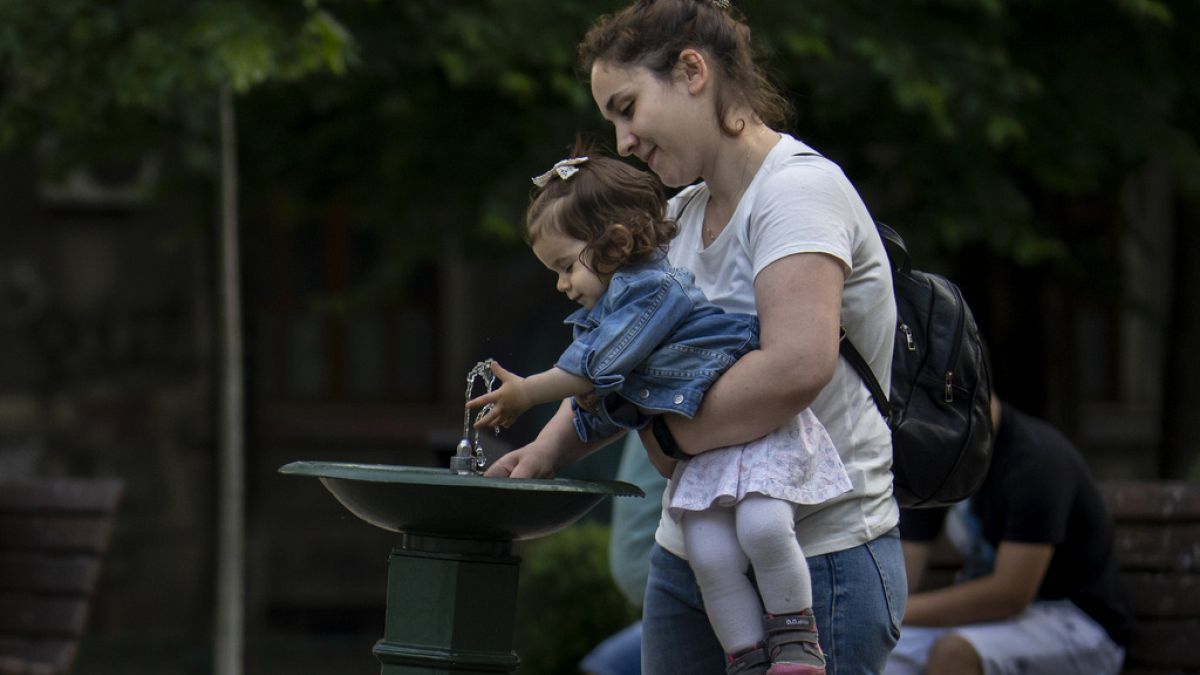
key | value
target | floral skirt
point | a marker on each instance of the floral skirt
(797, 463)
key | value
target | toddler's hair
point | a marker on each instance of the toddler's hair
(618, 211)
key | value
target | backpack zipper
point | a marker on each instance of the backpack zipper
(958, 331)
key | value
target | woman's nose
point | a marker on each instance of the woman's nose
(626, 140)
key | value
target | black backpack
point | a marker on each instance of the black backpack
(940, 405)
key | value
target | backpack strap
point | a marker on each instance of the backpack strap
(897, 251)
(856, 361)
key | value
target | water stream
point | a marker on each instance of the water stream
(469, 458)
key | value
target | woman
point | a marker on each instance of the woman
(776, 230)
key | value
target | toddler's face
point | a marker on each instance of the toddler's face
(561, 255)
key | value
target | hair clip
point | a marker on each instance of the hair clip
(722, 4)
(564, 168)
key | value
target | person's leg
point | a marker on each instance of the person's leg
(866, 584)
(912, 650)
(858, 601)
(676, 635)
(765, 532)
(1048, 638)
(953, 655)
(619, 654)
(720, 568)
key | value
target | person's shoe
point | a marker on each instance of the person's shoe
(751, 661)
(792, 644)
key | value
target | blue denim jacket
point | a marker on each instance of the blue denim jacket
(652, 343)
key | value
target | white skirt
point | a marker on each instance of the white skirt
(797, 463)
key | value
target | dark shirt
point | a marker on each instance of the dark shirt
(1039, 491)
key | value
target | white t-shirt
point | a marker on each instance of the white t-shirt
(805, 204)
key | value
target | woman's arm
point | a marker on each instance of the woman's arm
(799, 304)
(555, 448)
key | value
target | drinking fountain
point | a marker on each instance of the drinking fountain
(452, 575)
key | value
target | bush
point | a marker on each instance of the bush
(567, 602)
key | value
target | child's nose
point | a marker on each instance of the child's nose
(563, 284)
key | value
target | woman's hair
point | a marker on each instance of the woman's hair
(616, 210)
(652, 33)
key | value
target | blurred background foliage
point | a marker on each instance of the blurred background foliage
(566, 603)
(968, 120)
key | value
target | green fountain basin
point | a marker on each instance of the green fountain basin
(439, 503)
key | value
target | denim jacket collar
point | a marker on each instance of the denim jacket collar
(590, 318)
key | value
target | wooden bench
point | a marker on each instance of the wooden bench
(53, 535)
(1157, 545)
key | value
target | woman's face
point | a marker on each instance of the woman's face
(658, 120)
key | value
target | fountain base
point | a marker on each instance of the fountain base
(452, 580)
(427, 635)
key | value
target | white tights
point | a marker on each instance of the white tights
(722, 542)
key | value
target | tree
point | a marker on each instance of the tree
(104, 79)
(998, 135)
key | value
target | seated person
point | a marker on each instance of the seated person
(1039, 592)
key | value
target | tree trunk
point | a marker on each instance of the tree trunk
(229, 611)
(1181, 424)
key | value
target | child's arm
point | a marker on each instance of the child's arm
(555, 448)
(518, 394)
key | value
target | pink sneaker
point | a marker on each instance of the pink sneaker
(792, 644)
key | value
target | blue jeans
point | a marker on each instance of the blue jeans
(620, 654)
(858, 601)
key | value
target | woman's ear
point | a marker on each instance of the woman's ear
(693, 69)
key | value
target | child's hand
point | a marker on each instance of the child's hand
(509, 402)
(587, 401)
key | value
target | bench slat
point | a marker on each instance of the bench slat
(1158, 547)
(57, 655)
(63, 495)
(1164, 596)
(28, 614)
(39, 573)
(1173, 501)
(1165, 644)
(55, 533)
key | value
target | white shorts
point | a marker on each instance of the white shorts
(1048, 638)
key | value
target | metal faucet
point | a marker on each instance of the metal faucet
(468, 459)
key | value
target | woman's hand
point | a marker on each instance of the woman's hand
(508, 402)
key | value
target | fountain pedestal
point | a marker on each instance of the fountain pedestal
(426, 634)
(452, 579)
